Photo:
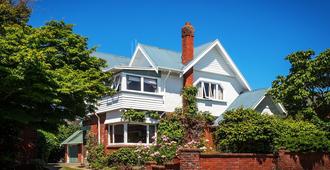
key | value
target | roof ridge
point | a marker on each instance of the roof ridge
(166, 49)
(115, 55)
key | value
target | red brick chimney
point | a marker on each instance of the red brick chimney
(187, 33)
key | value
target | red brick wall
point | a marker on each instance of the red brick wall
(235, 161)
(192, 159)
(301, 161)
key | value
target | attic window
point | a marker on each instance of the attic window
(209, 90)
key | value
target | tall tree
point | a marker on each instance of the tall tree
(47, 74)
(305, 91)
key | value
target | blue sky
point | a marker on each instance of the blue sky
(256, 34)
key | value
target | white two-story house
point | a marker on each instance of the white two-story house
(152, 79)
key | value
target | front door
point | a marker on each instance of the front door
(73, 153)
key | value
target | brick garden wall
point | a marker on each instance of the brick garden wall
(192, 159)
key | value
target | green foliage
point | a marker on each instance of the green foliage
(301, 136)
(47, 142)
(123, 157)
(47, 75)
(171, 127)
(14, 13)
(245, 130)
(133, 115)
(208, 117)
(153, 115)
(189, 100)
(306, 89)
(164, 151)
(96, 156)
(66, 130)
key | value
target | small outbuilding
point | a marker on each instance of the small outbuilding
(74, 148)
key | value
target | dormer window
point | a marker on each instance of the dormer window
(208, 90)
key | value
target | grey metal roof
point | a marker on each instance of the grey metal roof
(75, 138)
(112, 60)
(245, 100)
(163, 58)
(200, 49)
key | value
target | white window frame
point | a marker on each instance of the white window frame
(119, 82)
(112, 135)
(217, 91)
(124, 81)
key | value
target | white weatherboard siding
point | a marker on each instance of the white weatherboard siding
(133, 100)
(213, 68)
(213, 62)
(140, 60)
(230, 86)
(172, 90)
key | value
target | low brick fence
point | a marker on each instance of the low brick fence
(193, 159)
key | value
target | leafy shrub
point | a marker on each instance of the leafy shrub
(47, 142)
(208, 117)
(133, 115)
(189, 100)
(96, 156)
(246, 131)
(123, 156)
(301, 136)
(171, 127)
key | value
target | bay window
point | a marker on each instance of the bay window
(116, 85)
(134, 83)
(141, 83)
(208, 90)
(131, 133)
(150, 85)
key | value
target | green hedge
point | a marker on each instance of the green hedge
(245, 130)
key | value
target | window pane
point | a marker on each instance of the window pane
(152, 133)
(116, 83)
(206, 90)
(133, 83)
(136, 133)
(150, 85)
(119, 133)
(110, 138)
(220, 93)
(213, 91)
(200, 90)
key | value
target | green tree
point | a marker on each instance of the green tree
(47, 74)
(305, 91)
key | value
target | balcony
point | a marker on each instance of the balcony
(133, 100)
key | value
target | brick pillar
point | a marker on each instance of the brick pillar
(209, 137)
(148, 165)
(189, 159)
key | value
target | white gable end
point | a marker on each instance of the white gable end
(213, 62)
(140, 60)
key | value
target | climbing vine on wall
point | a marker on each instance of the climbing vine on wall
(133, 115)
(189, 100)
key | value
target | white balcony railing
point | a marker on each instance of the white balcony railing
(133, 100)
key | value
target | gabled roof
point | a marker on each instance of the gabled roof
(112, 60)
(160, 58)
(163, 58)
(75, 138)
(204, 49)
(248, 99)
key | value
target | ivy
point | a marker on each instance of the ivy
(133, 115)
(189, 100)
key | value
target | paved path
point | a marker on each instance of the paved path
(58, 166)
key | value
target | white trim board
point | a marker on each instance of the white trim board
(217, 43)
